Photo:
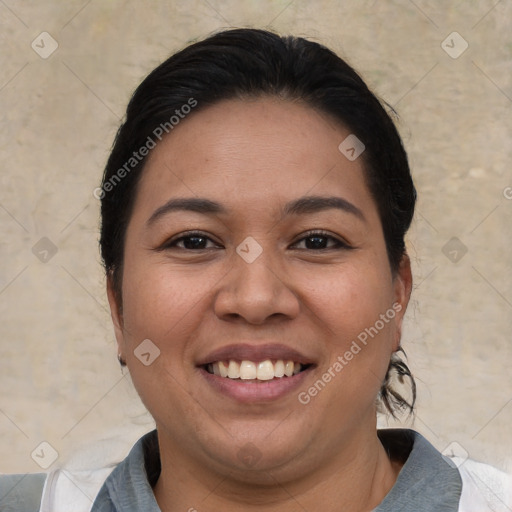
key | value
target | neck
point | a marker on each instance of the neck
(356, 478)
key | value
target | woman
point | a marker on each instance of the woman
(254, 209)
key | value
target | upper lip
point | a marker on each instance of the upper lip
(255, 353)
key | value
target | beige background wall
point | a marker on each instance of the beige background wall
(59, 378)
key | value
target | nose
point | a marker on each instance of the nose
(255, 293)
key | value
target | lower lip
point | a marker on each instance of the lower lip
(251, 392)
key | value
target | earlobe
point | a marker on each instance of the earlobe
(116, 314)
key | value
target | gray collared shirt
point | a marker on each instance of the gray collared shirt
(428, 482)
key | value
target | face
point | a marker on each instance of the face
(254, 240)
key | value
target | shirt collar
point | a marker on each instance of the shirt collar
(127, 489)
(427, 482)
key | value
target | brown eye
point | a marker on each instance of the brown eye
(194, 242)
(191, 242)
(316, 242)
(320, 241)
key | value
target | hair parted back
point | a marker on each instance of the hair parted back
(249, 63)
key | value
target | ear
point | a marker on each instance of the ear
(116, 314)
(402, 286)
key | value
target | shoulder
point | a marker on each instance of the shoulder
(58, 491)
(21, 493)
(484, 487)
(72, 491)
(431, 480)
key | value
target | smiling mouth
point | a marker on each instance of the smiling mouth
(255, 371)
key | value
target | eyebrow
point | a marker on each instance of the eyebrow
(301, 206)
(313, 204)
(191, 204)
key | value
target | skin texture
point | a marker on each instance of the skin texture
(253, 157)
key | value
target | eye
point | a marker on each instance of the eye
(319, 240)
(192, 241)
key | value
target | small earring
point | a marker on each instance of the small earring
(122, 362)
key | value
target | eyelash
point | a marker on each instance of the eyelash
(338, 244)
(171, 244)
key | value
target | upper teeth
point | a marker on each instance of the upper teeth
(247, 370)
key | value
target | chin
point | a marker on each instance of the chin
(254, 450)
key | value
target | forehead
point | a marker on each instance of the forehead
(254, 152)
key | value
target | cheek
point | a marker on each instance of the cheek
(155, 297)
(350, 298)
(354, 310)
(160, 305)
(167, 305)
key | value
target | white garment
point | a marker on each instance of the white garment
(66, 491)
(484, 489)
